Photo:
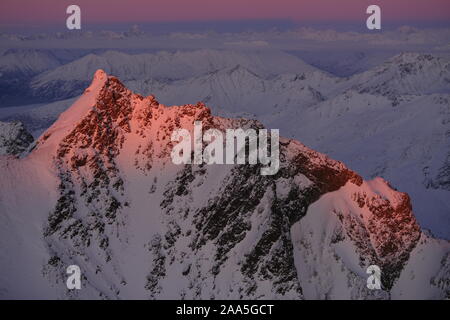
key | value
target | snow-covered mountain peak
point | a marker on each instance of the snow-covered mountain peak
(136, 223)
(107, 109)
(71, 117)
(412, 63)
(403, 74)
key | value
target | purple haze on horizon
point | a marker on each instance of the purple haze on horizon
(22, 12)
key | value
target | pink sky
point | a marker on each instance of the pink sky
(93, 11)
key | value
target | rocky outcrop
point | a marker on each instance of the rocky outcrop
(14, 138)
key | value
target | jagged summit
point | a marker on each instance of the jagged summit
(69, 118)
(99, 76)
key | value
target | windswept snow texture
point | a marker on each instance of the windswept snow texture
(389, 120)
(99, 190)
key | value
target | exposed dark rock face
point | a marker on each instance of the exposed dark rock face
(14, 138)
